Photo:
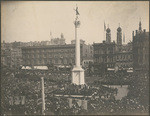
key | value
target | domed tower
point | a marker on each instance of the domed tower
(108, 35)
(119, 36)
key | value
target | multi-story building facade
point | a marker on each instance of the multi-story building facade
(16, 57)
(6, 57)
(11, 55)
(105, 53)
(87, 55)
(111, 54)
(55, 54)
(124, 56)
(141, 49)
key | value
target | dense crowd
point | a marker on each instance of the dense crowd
(101, 101)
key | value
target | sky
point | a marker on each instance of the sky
(34, 20)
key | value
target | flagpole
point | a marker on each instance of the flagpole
(104, 31)
(43, 96)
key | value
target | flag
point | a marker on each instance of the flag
(123, 38)
(104, 26)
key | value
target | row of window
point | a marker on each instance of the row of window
(125, 65)
(44, 62)
(103, 60)
(103, 52)
(111, 59)
(110, 65)
(48, 50)
(124, 57)
(48, 55)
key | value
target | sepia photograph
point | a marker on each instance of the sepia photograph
(75, 58)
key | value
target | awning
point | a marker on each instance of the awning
(41, 67)
(27, 67)
(110, 69)
(129, 70)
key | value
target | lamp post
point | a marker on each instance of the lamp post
(43, 96)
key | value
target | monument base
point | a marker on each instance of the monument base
(78, 76)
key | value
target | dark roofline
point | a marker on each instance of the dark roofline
(104, 43)
(50, 46)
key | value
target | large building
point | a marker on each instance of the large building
(11, 55)
(55, 54)
(124, 56)
(110, 54)
(105, 53)
(141, 49)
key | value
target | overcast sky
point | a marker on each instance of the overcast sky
(33, 20)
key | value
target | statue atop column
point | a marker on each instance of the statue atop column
(77, 12)
(77, 22)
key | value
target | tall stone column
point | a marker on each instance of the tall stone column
(77, 72)
(77, 45)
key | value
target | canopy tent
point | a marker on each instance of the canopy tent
(26, 67)
(110, 69)
(35, 68)
(41, 67)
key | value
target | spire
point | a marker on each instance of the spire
(51, 35)
(104, 26)
(140, 25)
(62, 35)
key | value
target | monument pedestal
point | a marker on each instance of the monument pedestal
(78, 76)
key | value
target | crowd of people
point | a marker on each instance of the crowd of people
(101, 99)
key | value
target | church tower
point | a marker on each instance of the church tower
(119, 36)
(108, 35)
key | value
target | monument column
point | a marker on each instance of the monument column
(77, 23)
(77, 72)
